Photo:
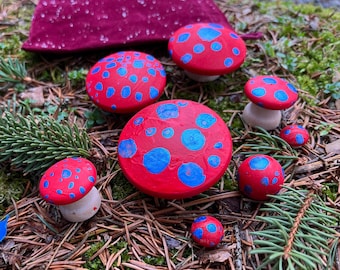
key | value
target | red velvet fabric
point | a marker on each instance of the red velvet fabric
(61, 26)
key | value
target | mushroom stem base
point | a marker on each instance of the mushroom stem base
(255, 115)
(83, 209)
(201, 78)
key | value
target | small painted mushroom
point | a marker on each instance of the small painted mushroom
(207, 50)
(295, 135)
(268, 95)
(259, 176)
(69, 183)
(126, 81)
(207, 231)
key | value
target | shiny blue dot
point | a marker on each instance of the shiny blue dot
(113, 107)
(122, 71)
(59, 191)
(82, 190)
(127, 148)
(234, 36)
(258, 92)
(91, 179)
(228, 62)
(46, 184)
(287, 131)
(218, 145)
(109, 59)
(236, 51)
(162, 72)
(152, 72)
(269, 80)
(78, 170)
(182, 104)
(216, 46)
(211, 228)
(95, 70)
(214, 161)
(72, 195)
(208, 34)
(191, 174)
(291, 87)
(66, 173)
(106, 74)
(52, 174)
(110, 92)
(275, 180)
(198, 48)
(138, 64)
(281, 95)
(265, 181)
(150, 131)
(198, 233)
(150, 58)
(138, 121)
(154, 92)
(183, 37)
(167, 133)
(299, 139)
(167, 111)
(99, 86)
(200, 219)
(71, 185)
(126, 91)
(193, 139)
(259, 163)
(133, 78)
(205, 120)
(110, 65)
(186, 58)
(139, 96)
(145, 79)
(156, 160)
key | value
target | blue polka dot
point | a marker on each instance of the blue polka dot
(138, 121)
(46, 184)
(59, 191)
(106, 74)
(258, 92)
(211, 228)
(52, 174)
(265, 181)
(162, 72)
(110, 65)
(156, 160)
(95, 70)
(82, 190)
(218, 145)
(248, 189)
(236, 51)
(72, 195)
(167, 133)
(191, 174)
(205, 120)
(133, 78)
(275, 180)
(186, 58)
(91, 179)
(150, 58)
(216, 46)
(287, 131)
(110, 92)
(193, 139)
(71, 185)
(154, 92)
(214, 161)
(200, 219)
(122, 71)
(182, 104)
(150, 131)
(183, 37)
(269, 80)
(234, 36)
(167, 111)
(145, 79)
(300, 127)
(299, 139)
(152, 72)
(109, 59)
(76, 177)
(259, 163)
(208, 34)
(99, 86)
(216, 25)
(139, 96)
(138, 64)
(291, 87)
(66, 173)
(228, 62)
(198, 48)
(127, 148)
(113, 107)
(198, 233)
(281, 95)
(126, 91)
(78, 170)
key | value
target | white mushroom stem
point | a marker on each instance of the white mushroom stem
(201, 78)
(83, 209)
(255, 115)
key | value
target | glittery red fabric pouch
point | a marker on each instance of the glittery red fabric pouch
(61, 26)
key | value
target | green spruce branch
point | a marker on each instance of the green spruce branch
(12, 71)
(34, 142)
(299, 232)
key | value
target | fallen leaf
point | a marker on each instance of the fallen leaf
(35, 95)
(217, 255)
(333, 147)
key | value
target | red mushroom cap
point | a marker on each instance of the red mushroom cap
(295, 135)
(271, 92)
(207, 49)
(207, 231)
(259, 176)
(174, 149)
(126, 81)
(68, 180)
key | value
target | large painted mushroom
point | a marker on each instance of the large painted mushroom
(174, 149)
(207, 50)
(268, 95)
(69, 183)
(126, 81)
